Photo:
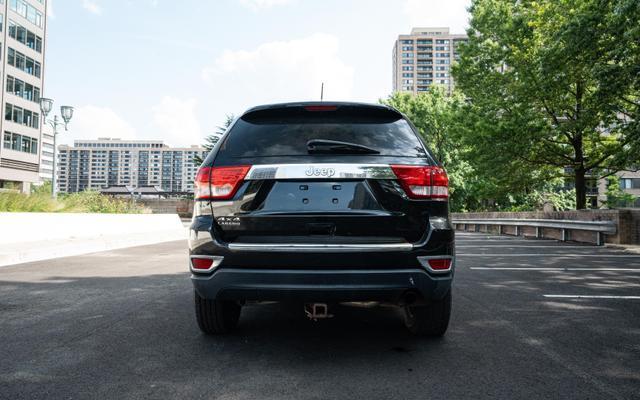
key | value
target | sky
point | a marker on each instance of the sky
(172, 70)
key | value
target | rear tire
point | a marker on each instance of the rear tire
(216, 317)
(429, 320)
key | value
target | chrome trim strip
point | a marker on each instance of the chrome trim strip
(315, 247)
(320, 171)
(217, 260)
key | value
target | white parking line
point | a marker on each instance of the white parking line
(584, 296)
(524, 246)
(553, 269)
(551, 255)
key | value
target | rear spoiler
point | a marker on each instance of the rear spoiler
(340, 112)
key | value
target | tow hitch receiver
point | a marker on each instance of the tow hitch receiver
(316, 311)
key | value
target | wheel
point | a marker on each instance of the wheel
(216, 316)
(429, 320)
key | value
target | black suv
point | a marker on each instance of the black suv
(322, 203)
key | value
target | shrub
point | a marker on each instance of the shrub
(84, 202)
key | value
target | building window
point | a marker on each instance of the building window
(24, 63)
(27, 11)
(22, 116)
(20, 143)
(23, 89)
(25, 36)
(407, 55)
(630, 183)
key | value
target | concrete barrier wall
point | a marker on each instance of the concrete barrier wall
(627, 221)
(184, 208)
(26, 237)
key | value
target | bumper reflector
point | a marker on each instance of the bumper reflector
(437, 264)
(202, 264)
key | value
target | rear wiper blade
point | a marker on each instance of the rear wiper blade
(335, 146)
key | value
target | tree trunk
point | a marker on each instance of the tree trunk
(581, 189)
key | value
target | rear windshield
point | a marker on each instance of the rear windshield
(278, 134)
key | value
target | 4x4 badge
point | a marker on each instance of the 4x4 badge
(228, 221)
(313, 171)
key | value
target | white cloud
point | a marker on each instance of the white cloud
(92, 7)
(256, 5)
(176, 121)
(436, 13)
(281, 71)
(92, 122)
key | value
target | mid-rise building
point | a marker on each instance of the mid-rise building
(629, 183)
(423, 58)
(106, 162)
(23, 32)
(46, 153)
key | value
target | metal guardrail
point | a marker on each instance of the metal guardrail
(565, 226)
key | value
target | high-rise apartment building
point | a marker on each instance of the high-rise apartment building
(106, 162)
(424, 58)
(22, 33)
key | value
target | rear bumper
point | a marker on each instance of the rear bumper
(388, 285)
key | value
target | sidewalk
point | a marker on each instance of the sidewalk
(36, 237)
(629, 248)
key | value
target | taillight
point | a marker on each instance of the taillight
(423, 182)
(219, 183)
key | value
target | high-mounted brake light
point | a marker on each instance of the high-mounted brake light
(321, 108)
(219, 183)
(423, 182)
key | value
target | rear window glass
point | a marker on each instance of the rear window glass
(286, 133)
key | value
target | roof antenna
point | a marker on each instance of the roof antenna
(322, 92)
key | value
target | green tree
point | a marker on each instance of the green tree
(554, 84)
(211, 140)
(616, 197)
(433, 114)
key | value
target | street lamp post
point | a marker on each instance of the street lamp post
(46, 105)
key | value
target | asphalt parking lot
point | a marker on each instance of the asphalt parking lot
(532, 319)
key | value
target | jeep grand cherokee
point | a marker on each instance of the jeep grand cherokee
(322, 203)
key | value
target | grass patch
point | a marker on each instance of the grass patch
(84, 202)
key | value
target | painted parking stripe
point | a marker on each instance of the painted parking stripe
(525, 246)
(550, 255)
(553, 269)
(584, 296)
